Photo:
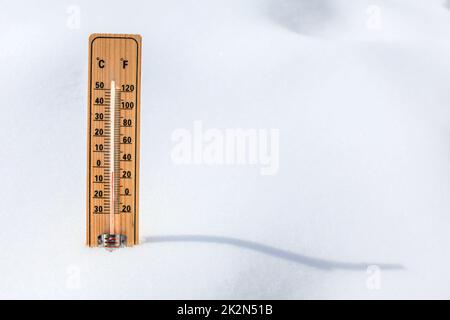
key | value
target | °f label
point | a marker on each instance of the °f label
(113, 136)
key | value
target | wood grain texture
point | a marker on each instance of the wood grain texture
(113, 57)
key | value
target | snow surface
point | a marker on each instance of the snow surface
(364, 178)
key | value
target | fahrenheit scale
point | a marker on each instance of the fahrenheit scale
(113, 140)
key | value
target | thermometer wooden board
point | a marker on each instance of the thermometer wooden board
(113, 140)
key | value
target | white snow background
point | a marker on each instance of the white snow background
(364, 120)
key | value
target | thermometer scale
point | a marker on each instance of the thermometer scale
(113, 140)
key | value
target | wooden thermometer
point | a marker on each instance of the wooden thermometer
(113, 140)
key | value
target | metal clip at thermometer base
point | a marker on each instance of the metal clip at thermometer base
(112, 241)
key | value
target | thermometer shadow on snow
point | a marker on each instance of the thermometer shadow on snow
(313, 262)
